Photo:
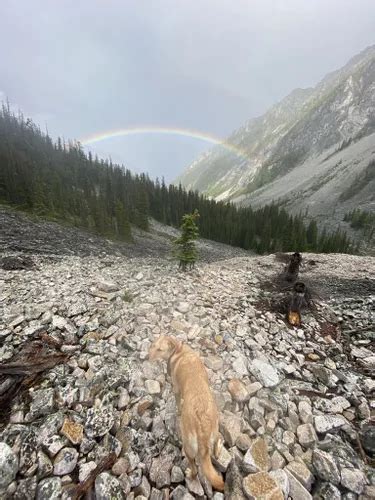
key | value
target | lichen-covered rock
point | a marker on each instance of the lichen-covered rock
(353, 479)
(73, 431)
(301, 473)
(325, 466)
(49, 489)
(26, 488)
(265, 373)
(42, 404)
(261, 486)
(8, 466)
(98, 421)
(107, 486)
(325, 423)
(256, 458)
(65, 461)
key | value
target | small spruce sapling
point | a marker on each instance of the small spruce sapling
(185, 250)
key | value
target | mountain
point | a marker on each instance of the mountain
(313, 150)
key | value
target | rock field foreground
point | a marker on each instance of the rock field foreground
(295, 403)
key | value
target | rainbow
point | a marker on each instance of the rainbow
(153, 129)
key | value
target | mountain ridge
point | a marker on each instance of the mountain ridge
(308, 125)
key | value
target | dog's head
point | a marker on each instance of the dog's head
(163, 348)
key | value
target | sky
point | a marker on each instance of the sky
(83, 68)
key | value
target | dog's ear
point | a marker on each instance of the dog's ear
(173, 344)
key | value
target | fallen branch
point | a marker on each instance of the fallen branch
(106, 463)
(32, 366)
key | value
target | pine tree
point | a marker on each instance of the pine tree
(185, 250)
(123, 228)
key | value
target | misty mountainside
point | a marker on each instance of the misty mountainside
(315, 149)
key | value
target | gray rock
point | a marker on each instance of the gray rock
(45, 466)
(301, 473)
(325, 466)
(230, 427)
(123, 399)
(306, 435)
(265, 373)
(353, 479)
(335, 405)
(54, 444)
(327, 491)
(305, 412)
(144, 489)
(42, 404)
(177, 475)
(214, 363)
(325, 423)
(183, 307)
(152, 387)
(254, 388)
(240, 366)
(233, 483)
(49, 489)
(281, 478)
(26, 488)
(181, 493)
(65, 461)
(106, 286)
(162, 465)
(8, 465)
(107, 486)
(195, 487)
(223, 460)
(296, 490)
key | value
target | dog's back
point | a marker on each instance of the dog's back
(199, 414)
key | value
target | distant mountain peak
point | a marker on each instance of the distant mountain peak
(304, 151)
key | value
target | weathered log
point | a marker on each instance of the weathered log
(81, 489)
(291, 273)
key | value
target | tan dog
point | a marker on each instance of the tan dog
(199, 418)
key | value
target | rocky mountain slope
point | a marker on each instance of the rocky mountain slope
(296, 403)
(307, 151)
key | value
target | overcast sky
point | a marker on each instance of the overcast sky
(88, 66)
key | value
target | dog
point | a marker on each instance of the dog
(199, 417)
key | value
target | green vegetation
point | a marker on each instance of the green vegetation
(60, 181)
(185, 249)
(127, 296)
(362, 220)
(360, 182)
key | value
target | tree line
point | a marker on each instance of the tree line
(362, 220)
(59, 180)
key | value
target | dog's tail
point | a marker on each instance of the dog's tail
(210, 472)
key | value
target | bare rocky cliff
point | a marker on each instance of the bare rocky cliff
(306, 152)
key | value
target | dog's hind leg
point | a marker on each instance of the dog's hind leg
(217, 447)
(190, 444)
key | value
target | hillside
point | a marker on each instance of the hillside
(59, 181)
(306, 152)
(295, 402)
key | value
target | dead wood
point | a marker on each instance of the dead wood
(79, 491)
